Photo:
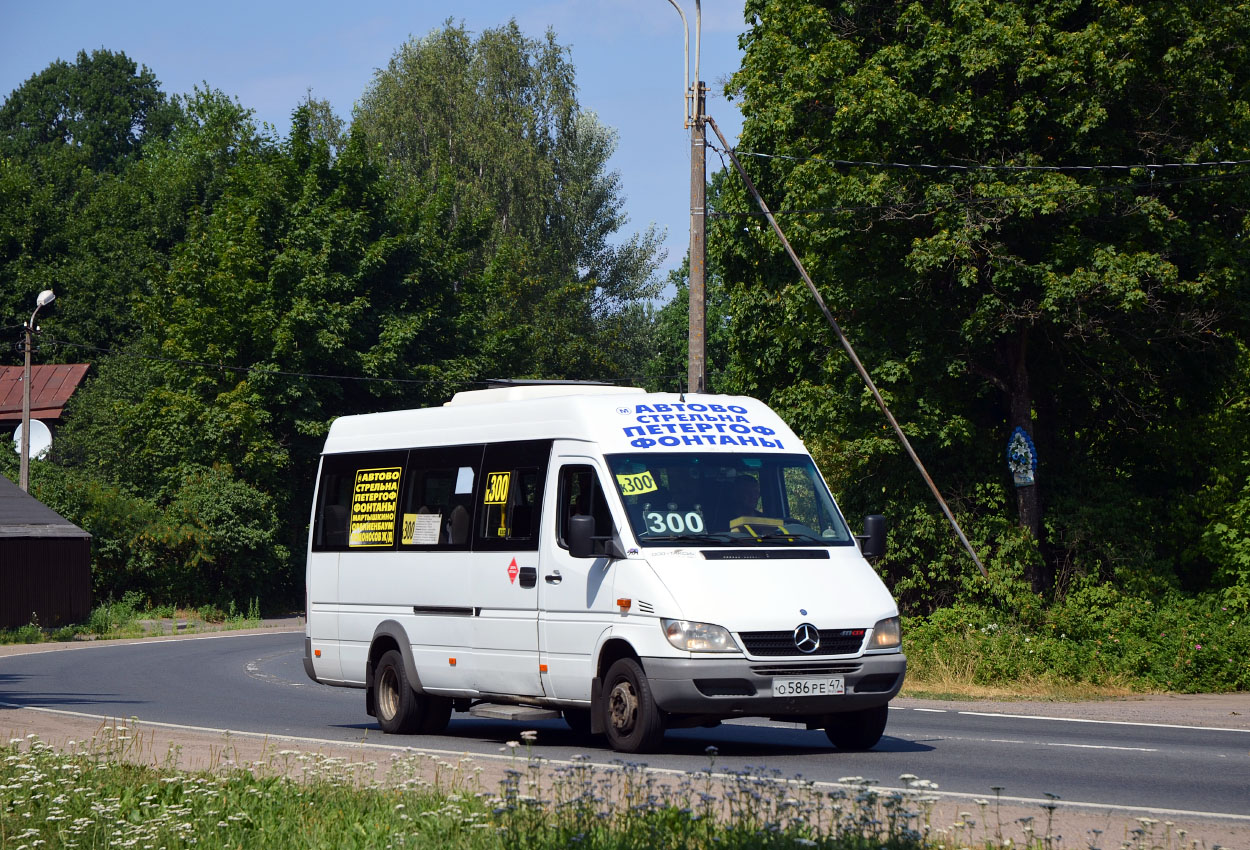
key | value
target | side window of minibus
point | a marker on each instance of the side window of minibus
(334, 498)
(357, 501)
(437, 503)
(510, 495)
(581, 495)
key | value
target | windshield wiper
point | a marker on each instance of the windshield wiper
(690, 538)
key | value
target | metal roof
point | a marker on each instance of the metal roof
(50, 388)
(22, 515)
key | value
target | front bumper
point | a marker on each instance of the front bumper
(740, 687)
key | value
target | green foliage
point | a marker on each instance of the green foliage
(485, 139)
(97, 112)
(1097, 635)
(110, 618)
(1104, 311)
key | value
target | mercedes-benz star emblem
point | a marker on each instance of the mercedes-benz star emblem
(807, 638)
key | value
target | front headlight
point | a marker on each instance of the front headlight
(887, 634)
(697, 637)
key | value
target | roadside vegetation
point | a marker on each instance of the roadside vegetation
(97, 794)
(1094, 643)
(132, 617)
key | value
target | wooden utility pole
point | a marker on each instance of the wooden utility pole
(23, 480)
(697, 345)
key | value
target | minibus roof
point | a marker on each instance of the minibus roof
(618, 419)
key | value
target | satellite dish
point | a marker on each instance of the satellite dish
(40, 439)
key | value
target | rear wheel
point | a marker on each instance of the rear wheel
(400, 709)
(630, 717)
(436, 713)
(857, 730)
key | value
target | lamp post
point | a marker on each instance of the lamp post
(45, 298)
(695, 120)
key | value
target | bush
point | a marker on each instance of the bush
(1097, 635)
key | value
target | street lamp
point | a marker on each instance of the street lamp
(695, 120)
(45, 298)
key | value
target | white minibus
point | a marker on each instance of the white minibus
(633, 561)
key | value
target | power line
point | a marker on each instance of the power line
(286, 373)
(924, 166)
(239, 369)
(987, 199)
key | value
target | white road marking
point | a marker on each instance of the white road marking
(1103, 747)
(931, 710)
(1079, 746)
(1104, 722)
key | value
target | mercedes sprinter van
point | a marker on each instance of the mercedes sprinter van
(632, 561)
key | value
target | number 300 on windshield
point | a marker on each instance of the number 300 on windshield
(674, 522)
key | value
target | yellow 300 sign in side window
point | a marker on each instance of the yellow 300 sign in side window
(636, 483)
(497, 488)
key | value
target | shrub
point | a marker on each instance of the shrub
(1096, 635)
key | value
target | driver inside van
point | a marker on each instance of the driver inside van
(744, 497)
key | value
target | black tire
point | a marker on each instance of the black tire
(855, 731)
(578, 720)
(435, 714)
(397, 704)
(631, 719)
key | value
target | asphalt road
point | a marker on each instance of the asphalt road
(256, 683)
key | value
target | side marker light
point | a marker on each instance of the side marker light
(624, 603)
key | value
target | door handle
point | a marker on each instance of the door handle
(554, 577)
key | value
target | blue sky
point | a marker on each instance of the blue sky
(628, 55)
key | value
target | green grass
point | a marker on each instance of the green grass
(130, 617)
(94, 795)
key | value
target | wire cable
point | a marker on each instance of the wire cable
(925, 166)
(279, 372)
(988, 199)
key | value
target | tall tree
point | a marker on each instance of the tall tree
(492, 127)
(1099, 310)
(76, 213)
(98, 111)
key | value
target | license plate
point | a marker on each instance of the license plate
(809, 687)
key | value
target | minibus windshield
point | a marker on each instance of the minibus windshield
(727, 499)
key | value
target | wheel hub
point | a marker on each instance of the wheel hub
(388, 694)
(623, 707)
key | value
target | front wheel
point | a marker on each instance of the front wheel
(631, 719)
(857, 730)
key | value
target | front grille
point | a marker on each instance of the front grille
(804, 669)
(766, 554)
(832, 642)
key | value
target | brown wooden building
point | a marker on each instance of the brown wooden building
(45, 563)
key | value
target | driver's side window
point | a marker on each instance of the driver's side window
(580, 494)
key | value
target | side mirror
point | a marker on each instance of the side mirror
(581, 536)
(872, 541)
